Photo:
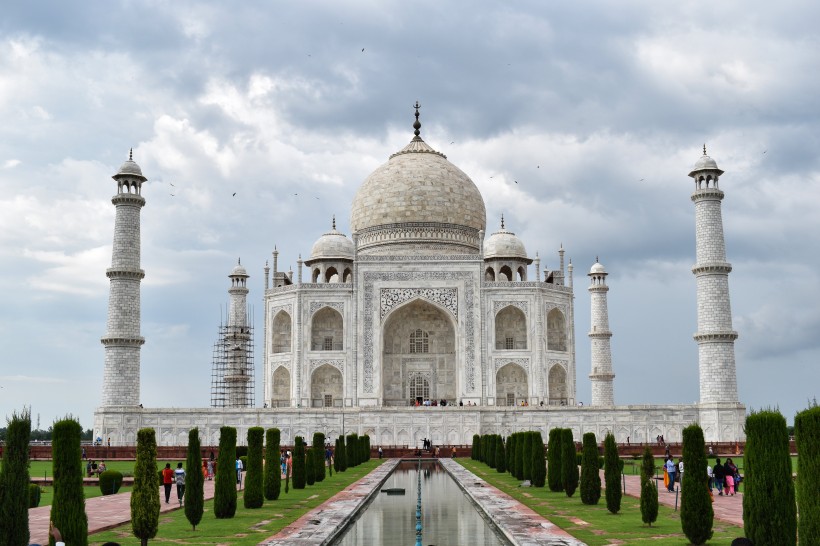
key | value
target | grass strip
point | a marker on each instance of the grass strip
(249, 526)
(594, 524)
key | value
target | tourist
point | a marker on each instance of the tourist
(453, 454)
(167, 481)
(238, 470)
(88, 469)
(710, 476)
(680, 470)
(670, 469)
(730, 477)
(53, 531)
(204, 469)
(380, 452)
(718, 474)
(210, 469)
(329, 455)
(179, 477)
(84, 456)
(101, 468)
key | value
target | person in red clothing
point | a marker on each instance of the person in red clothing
(167, 481)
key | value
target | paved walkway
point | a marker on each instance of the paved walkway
(103, 512)
(728, 509)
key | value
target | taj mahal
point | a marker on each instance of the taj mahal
(425, 322)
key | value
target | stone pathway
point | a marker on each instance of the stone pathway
(519, 523)
(103, 512)
(728, 509)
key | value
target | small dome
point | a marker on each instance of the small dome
(504, 244)
(597, 269)
(238, 271)
(333, 245)
(130, 168)
(705, 163)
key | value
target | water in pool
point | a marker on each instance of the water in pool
(449, 518)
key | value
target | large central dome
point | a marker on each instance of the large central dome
(418, 202)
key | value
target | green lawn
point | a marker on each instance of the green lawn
(633, 467)
(248, 527)
(594, 524)
(41, 469)
(47, 495)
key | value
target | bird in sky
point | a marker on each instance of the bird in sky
(516, 181)
(453, 142)
(172, 195)
(234, 194)
(764, 151)
(172, 184)
(362, 50)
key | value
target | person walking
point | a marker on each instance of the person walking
(718, 474)
(238, 470)
(210, 469)
(179, 478)
(671, 470)
(167, 481)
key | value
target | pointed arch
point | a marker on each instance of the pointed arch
(557, 386)
(327, 330)
(315, 276)
(331, 274)
(505, 274)
(326, 387)
(510, 329)
(281, 332)
(511, 385)
(347, 276)
(280, 388)
(522, 273)
(489, 274)
(556, 331)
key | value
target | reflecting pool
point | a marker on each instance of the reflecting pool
(449, 518)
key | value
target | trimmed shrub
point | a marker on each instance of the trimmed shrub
(110, 482)
(342, 454)
(807, 437)
(35, 492)
(769, 509)
(310, 466)
(352, 450)
(144, 495)
(366, 445)
(519, 455)
(15, 494)
(299, 471)
(590, 476)
(194, 481)
(225, 485)
(554, 472)
(696, 514)
(475, 448)
(68, 503)
(319, 456)
(492, 446)
(509, 455)
(241, 451)
(336, 452)
(253, 496)
(539, 462)
(526, 460)
(649, 489)
(569, 468)
(273, 469)
(500, 462)
(612, 474)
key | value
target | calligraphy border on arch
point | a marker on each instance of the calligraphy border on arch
(317, 305)
(287, 308)
(391, 297)
(523, 362)
(370, 277)
(339, 364)
(499, 305)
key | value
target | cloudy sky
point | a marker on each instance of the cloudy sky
(578, 121)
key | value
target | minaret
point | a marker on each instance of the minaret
(121, 375)
(715, 337)
(599, 335)
(238, 375)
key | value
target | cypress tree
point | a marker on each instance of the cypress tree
(319, 456)
(500, 463)
(310, 466)
(769, 510)
(144, 495)
(554, 471)
(14, 481)
(225, 485)
(273, 470)
(366, 447)
(649, 489)
(520, 446)
(341, 454)
(569, 463)
(299, 473)
(509, 456)
(253, 496)
(526, 456)
(351, 450)
(807, 437)
(194, 481)
(491, 447)
(539, 463)
(590, 476)
(612, 474)
(336, 452)
(696, 514)
(474, 450)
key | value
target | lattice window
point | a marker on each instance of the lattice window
(509, 343)
(510, 399)
(419, 388)
(328, 346)
(328, 400)
(419, 342)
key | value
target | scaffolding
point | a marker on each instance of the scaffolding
(232, 372)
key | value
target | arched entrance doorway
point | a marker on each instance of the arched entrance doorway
(511, 387)
(326, 387)
(280, 396)
(558, 386)
(418, 355)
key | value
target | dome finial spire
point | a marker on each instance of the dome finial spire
(502, 221)
(131, 154)
(334, 222)
(417, 124)
(704, 148)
